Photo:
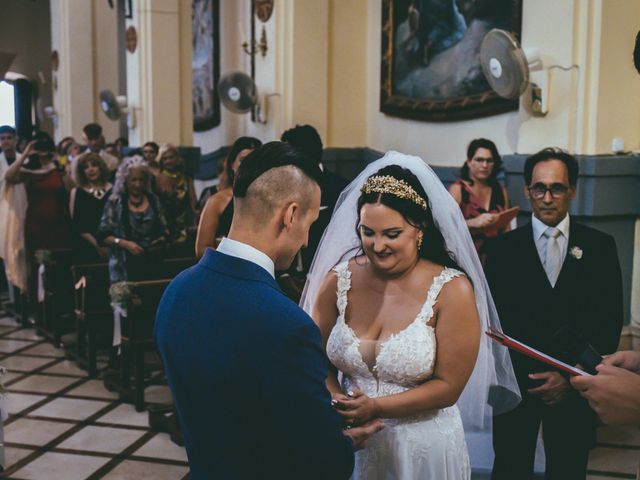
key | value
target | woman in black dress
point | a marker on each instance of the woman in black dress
(86, 206)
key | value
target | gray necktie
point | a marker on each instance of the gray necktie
(553, 258)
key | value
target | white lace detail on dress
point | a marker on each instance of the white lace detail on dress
(429, 445)
(405, 359)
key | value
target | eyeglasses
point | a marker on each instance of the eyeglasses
(488, 161)
(539, 190)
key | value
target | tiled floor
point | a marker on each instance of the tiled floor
(65, 426)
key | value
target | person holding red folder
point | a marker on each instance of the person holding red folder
(548, 275)
(481, 197)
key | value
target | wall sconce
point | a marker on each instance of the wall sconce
(257, 46)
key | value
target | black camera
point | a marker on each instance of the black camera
(33, 162)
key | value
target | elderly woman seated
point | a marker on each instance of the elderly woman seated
(133, 225)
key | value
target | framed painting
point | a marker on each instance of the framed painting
(431, 57)
(205, 16)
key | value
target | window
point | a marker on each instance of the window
(7, 105)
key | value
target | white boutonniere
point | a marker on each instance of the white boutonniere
(576, 252)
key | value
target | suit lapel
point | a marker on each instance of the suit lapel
(570, 264)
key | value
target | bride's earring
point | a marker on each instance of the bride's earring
(420, 238)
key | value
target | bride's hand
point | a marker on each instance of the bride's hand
(356, 408)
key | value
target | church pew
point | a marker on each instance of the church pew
(54, 316)
(93, 312)
(137, 335)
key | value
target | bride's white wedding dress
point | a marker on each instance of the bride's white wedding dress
(426, 446)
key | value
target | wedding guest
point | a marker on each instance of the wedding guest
(221, 182)
(215, 220)
(112, 150)
(11, 216)
(7, 157)
(47, 221)
(62, 150)
(94, 139)
(121, 143)
(74, 150)
(132, 224)
(478, 191)
(550, 274)
(231, 342)
(150, 152)
(614, 393)
(86, 205)
(307, 139)
(176, 193)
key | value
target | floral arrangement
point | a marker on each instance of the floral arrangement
(43, 257)
(120, 293)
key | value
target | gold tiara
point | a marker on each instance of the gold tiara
(393, 186)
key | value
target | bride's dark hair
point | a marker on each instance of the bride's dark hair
(433, 246)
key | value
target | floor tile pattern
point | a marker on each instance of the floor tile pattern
(65, 426)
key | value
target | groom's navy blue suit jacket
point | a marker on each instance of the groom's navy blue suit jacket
(247, 372)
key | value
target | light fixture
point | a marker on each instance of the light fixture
(257, 46)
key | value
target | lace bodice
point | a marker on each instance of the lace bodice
(402, 361)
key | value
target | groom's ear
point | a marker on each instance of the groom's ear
(290, 215)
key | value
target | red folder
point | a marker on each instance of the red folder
(517, 346)
(504, 219)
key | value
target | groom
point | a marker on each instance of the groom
(244, 363)
(550, 274)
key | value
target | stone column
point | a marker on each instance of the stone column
(159, 73)
(72, 37)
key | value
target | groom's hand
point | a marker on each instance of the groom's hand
(356, 408)
(359, 435)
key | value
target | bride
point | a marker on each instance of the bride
(401, 311)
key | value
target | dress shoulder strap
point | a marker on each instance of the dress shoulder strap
(440, 281)
(344, 284)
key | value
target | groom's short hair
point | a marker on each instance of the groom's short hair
(271, 175)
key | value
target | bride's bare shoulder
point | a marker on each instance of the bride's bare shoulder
(457, 288)
(358, 267)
